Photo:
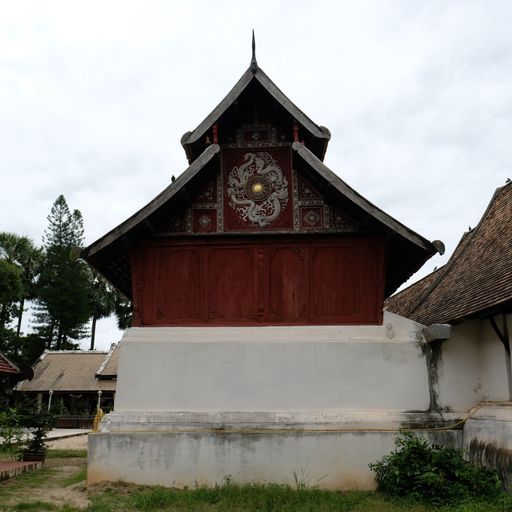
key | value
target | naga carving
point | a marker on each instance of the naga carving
(257, 189)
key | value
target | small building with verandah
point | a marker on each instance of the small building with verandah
(73, 383)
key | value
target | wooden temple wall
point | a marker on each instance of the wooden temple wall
(259, 282)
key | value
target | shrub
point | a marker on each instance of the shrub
(11, 433)
(434, 474)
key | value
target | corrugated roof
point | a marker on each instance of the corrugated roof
(68, 370)
(476, 280)
(7, 367)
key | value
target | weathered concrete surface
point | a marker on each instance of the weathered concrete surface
(267, 404)
(273, 368)
(332, 460)
(472, 367)
(488, 439)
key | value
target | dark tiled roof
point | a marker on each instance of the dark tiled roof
(477, 279)
(7, 367)
(403, 302)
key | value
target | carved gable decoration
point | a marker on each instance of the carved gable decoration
(257, 191)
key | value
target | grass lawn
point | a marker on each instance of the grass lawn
(60, 486)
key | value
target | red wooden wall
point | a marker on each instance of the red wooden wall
(299, 281)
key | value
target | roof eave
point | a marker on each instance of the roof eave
(141, 215)
(334, 180)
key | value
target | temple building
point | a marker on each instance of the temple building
(260, 347)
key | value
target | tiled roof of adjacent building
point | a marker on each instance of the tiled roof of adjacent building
(69, 370)
(476, 281)
(7, 367)
(108, 369)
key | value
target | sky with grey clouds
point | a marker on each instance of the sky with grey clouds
(95, 96)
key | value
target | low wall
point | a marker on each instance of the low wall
(488, 439)
(330, 451)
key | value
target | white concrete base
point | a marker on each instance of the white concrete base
(273, 368)
(488, 439)
(269, 404)
(332, 451)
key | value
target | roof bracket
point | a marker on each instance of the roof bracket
(503, 336)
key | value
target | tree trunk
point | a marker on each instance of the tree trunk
(50, 336)
(59, 337)
(93, 332)
(3, 315)
(20, 316)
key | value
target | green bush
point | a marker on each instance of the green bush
(11, 432)
(434, 474)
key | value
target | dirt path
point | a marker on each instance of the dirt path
(54, 492)
(54, 485)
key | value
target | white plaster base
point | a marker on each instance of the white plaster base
(488, 439)
(189, 450)
(266, 404)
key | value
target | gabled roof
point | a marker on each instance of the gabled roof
(166, 195)
(476, 281)
(110, 254)
(401, 239)
(255, 74)
(7, 366)
(68, 370)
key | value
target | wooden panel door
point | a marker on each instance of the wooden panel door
(287, 284)
(336, 283)
(178, 286)
(231, 284)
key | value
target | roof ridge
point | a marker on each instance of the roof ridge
(445, 269)
(107, 358)
(437, 269)
(155, 203)
(354, 196)
(78, 351)
(266, 82)
(452, 260)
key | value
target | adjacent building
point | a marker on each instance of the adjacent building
(74, 382)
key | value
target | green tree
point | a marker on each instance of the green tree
(63, 298)
(21, 251)
(102, 301)
(11, 291)
(123, 311)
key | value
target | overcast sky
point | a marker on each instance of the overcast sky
(94, 97)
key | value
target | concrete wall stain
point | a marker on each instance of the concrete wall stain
(488, 454)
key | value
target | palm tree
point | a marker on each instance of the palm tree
(21, 251)
(102, 301)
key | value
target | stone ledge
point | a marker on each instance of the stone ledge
(318, 421)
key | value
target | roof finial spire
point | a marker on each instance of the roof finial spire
(254, 63)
